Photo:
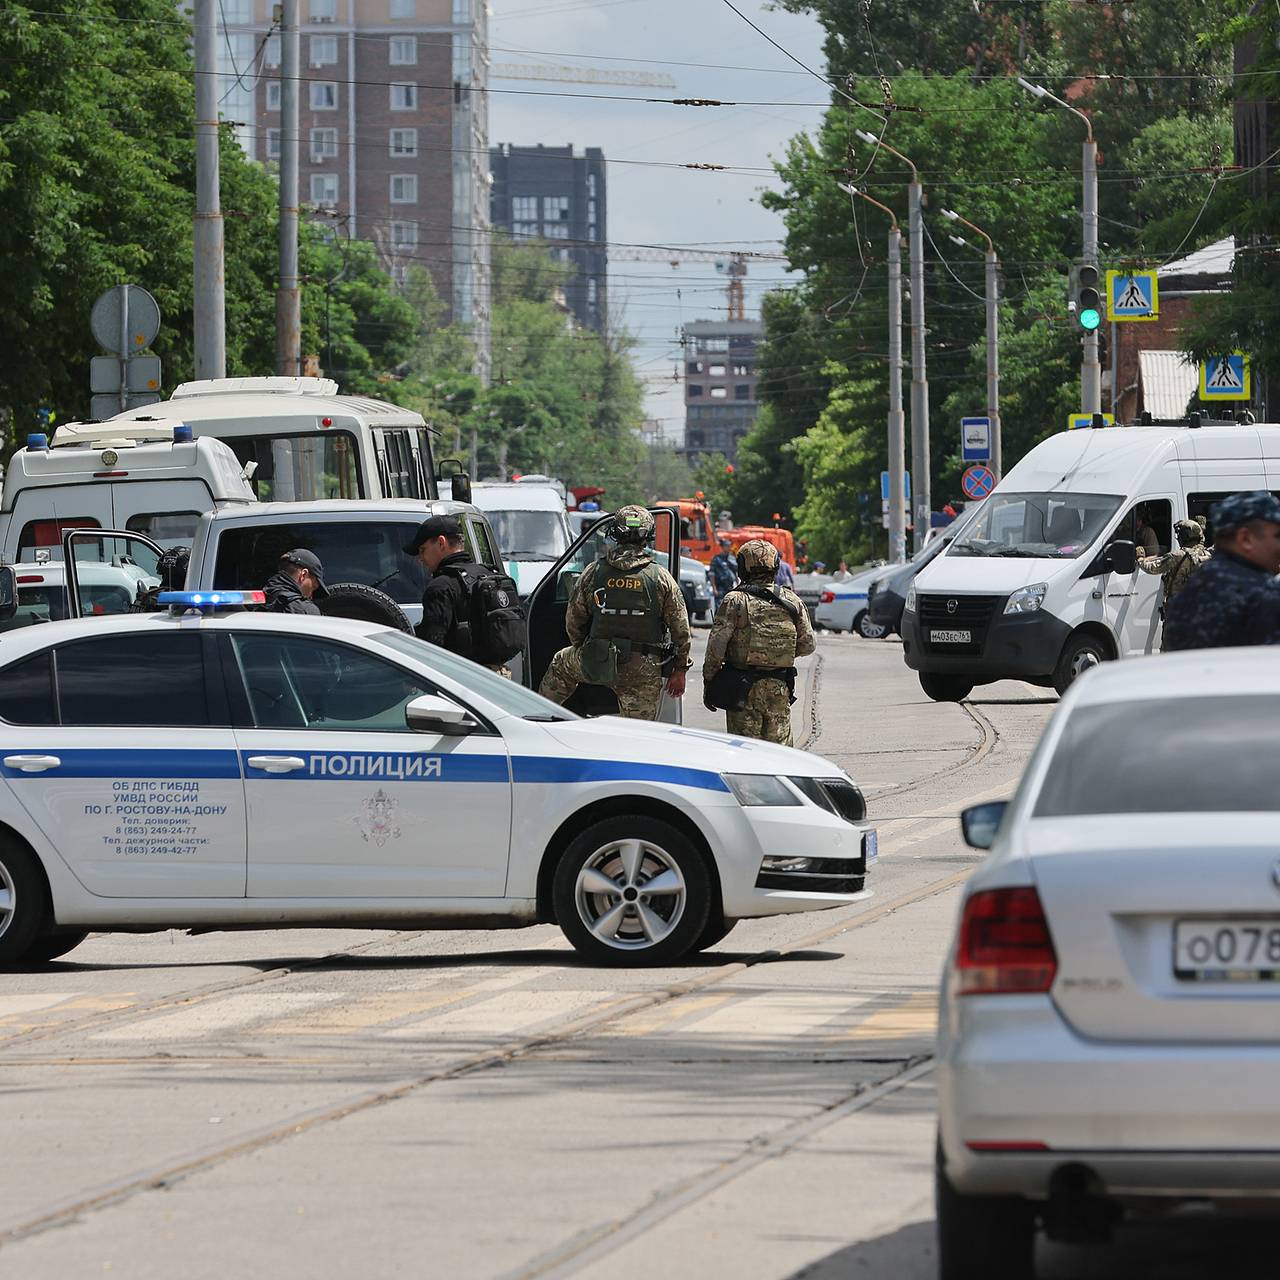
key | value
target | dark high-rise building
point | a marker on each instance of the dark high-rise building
(551, 194)
(719, 385)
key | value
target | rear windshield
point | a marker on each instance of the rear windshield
(301, 468)
(1185, 755)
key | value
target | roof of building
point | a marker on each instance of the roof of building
(1213, 260)
(1169, 380)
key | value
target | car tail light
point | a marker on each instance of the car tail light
(828, 597)
(1005, 947)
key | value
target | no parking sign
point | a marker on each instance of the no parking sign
(978, 482)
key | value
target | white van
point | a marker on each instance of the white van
(528, 515)
(307, 441)
(1042, 584)
(149, 477)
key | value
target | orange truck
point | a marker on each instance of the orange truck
(697, 533)
(781, 538)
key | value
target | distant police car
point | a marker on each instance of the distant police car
(181, 769)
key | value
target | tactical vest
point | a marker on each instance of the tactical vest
(624, 604)
(769, 638)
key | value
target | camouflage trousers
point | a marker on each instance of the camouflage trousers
(767, 714)
(638, 687)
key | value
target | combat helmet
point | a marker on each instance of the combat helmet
(632, 524)
(1188, 533)
(757, 559)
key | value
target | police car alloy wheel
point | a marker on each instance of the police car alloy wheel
(632, 890)
(22, 902)
(867, 629)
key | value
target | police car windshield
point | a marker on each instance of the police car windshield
(1048, 526)
(505, 694)
(529, 535)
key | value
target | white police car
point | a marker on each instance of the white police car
(260, 769)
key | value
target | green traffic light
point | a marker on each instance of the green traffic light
(1090, 318)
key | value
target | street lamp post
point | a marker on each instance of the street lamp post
(1090, 369)
(992, 297)
(920, 444)
(897, 445)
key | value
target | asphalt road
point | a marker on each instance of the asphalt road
(308, 1103)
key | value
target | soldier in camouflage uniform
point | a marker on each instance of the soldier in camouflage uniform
(1234, 599)
(623, 609)
(759, 627)
(1176, 567)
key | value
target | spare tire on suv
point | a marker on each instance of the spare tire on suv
(363, 604)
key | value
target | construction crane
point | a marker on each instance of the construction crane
(581, 75)
(734, 265)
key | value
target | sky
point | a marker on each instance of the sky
(667, 206)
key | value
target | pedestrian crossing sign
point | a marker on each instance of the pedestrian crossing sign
(1225, 377)
(1133, 295)
(1075, 421)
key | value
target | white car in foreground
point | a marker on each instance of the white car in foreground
(269, 770)
(1110, 1030)
(843, 605)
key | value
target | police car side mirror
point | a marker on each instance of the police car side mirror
(451, 469)
(8, 593)
(1122, 558)
(980, 823)
(431, 714)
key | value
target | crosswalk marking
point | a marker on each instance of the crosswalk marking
(229, 1014)
(915, 1016)
(500, 1014)
(342, 1015)
(15, 1008)
(663, 1016)
(771, 1015)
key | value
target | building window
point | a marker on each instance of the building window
(324, 145)
(694, 390)
(403, 9)
(713, 344)
(324, 95)
(324, 10)
(272, 55)
(591, 184)
(555, 231)
(404, 188)
(404, 235)
(324, 50)
(716, 371)
(555, 208)
(273, 144)
(233, 11)
(719, 393)
(404, 97)
(695, 366)
(742, 391)
(593, 292)
(742, 371)
(399, 274)
(273, 95)
(324, 189)
(404, 142)
(524, 228)
(462, 10)
(404, 51)
(524, 208)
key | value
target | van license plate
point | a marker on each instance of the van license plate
(1238, 950)
(951, 637)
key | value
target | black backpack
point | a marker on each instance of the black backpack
(495, 617)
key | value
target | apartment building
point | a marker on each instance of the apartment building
(719, 385)
(552, 194)
(394, 129)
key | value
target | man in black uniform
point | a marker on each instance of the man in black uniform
(438, 546)
(297, 583)
(1234, 598)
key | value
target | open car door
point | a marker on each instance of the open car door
(549, 602)
(108, 570)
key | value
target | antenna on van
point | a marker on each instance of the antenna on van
(1193, 421)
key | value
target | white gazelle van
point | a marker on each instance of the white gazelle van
(1043, 584)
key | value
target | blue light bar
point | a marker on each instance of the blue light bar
(210, 599)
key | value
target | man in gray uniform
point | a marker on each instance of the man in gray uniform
(1234, 599)
(1176, 567)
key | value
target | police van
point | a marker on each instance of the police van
(305, 441)
(1043, 583)
(153, 478)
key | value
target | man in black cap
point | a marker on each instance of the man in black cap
(446, 608)
(297, 584)
(1233, 599)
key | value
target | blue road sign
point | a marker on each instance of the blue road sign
(978, 482)
(1225, 377)
(975, 439)
(884, 486)
(1133, 295)
(1077, 420)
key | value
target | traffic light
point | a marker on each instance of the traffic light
(1087, 298)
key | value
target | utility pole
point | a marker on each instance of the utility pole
(210, 303)
(920, 444)
(289, 292)
(1090, 368)
(992, 297)
(897, 443)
